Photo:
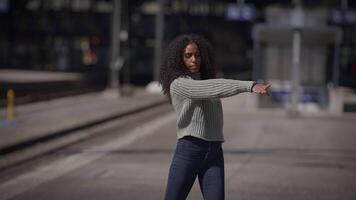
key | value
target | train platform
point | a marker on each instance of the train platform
(268, 155)
(34, 85)
(31, 76)
(42, 121)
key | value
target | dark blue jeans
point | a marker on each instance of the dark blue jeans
(195, 157)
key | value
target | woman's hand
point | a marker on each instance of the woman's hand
(261, 89)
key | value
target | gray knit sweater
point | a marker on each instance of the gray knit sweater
(198, 106)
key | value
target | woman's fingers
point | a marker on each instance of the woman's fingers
(267, 86)
(262, 89)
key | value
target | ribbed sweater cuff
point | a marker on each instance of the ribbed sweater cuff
(249, 85)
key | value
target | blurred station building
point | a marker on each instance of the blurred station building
(303, 46)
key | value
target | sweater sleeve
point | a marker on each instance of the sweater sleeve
(208, 89)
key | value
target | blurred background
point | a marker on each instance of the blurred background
(72, 42)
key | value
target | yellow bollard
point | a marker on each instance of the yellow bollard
(10, 105)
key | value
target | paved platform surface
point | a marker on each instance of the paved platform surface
(268, 156)
(32, 76)
(46, 118)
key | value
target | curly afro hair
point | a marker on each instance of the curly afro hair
(173, 67)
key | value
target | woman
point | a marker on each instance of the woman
(187, 76)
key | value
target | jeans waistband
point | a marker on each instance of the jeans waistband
(201, 142)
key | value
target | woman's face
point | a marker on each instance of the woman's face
(191, 58)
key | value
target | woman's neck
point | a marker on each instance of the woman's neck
(196, 76)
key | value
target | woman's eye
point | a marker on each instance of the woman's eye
(188, 55)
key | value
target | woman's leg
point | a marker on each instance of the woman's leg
(212, 177)
(186, 162)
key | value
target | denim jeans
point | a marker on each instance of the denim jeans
(196, 157)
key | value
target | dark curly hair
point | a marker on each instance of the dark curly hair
(173, 67)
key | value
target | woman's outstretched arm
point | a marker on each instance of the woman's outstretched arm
(211, 88)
